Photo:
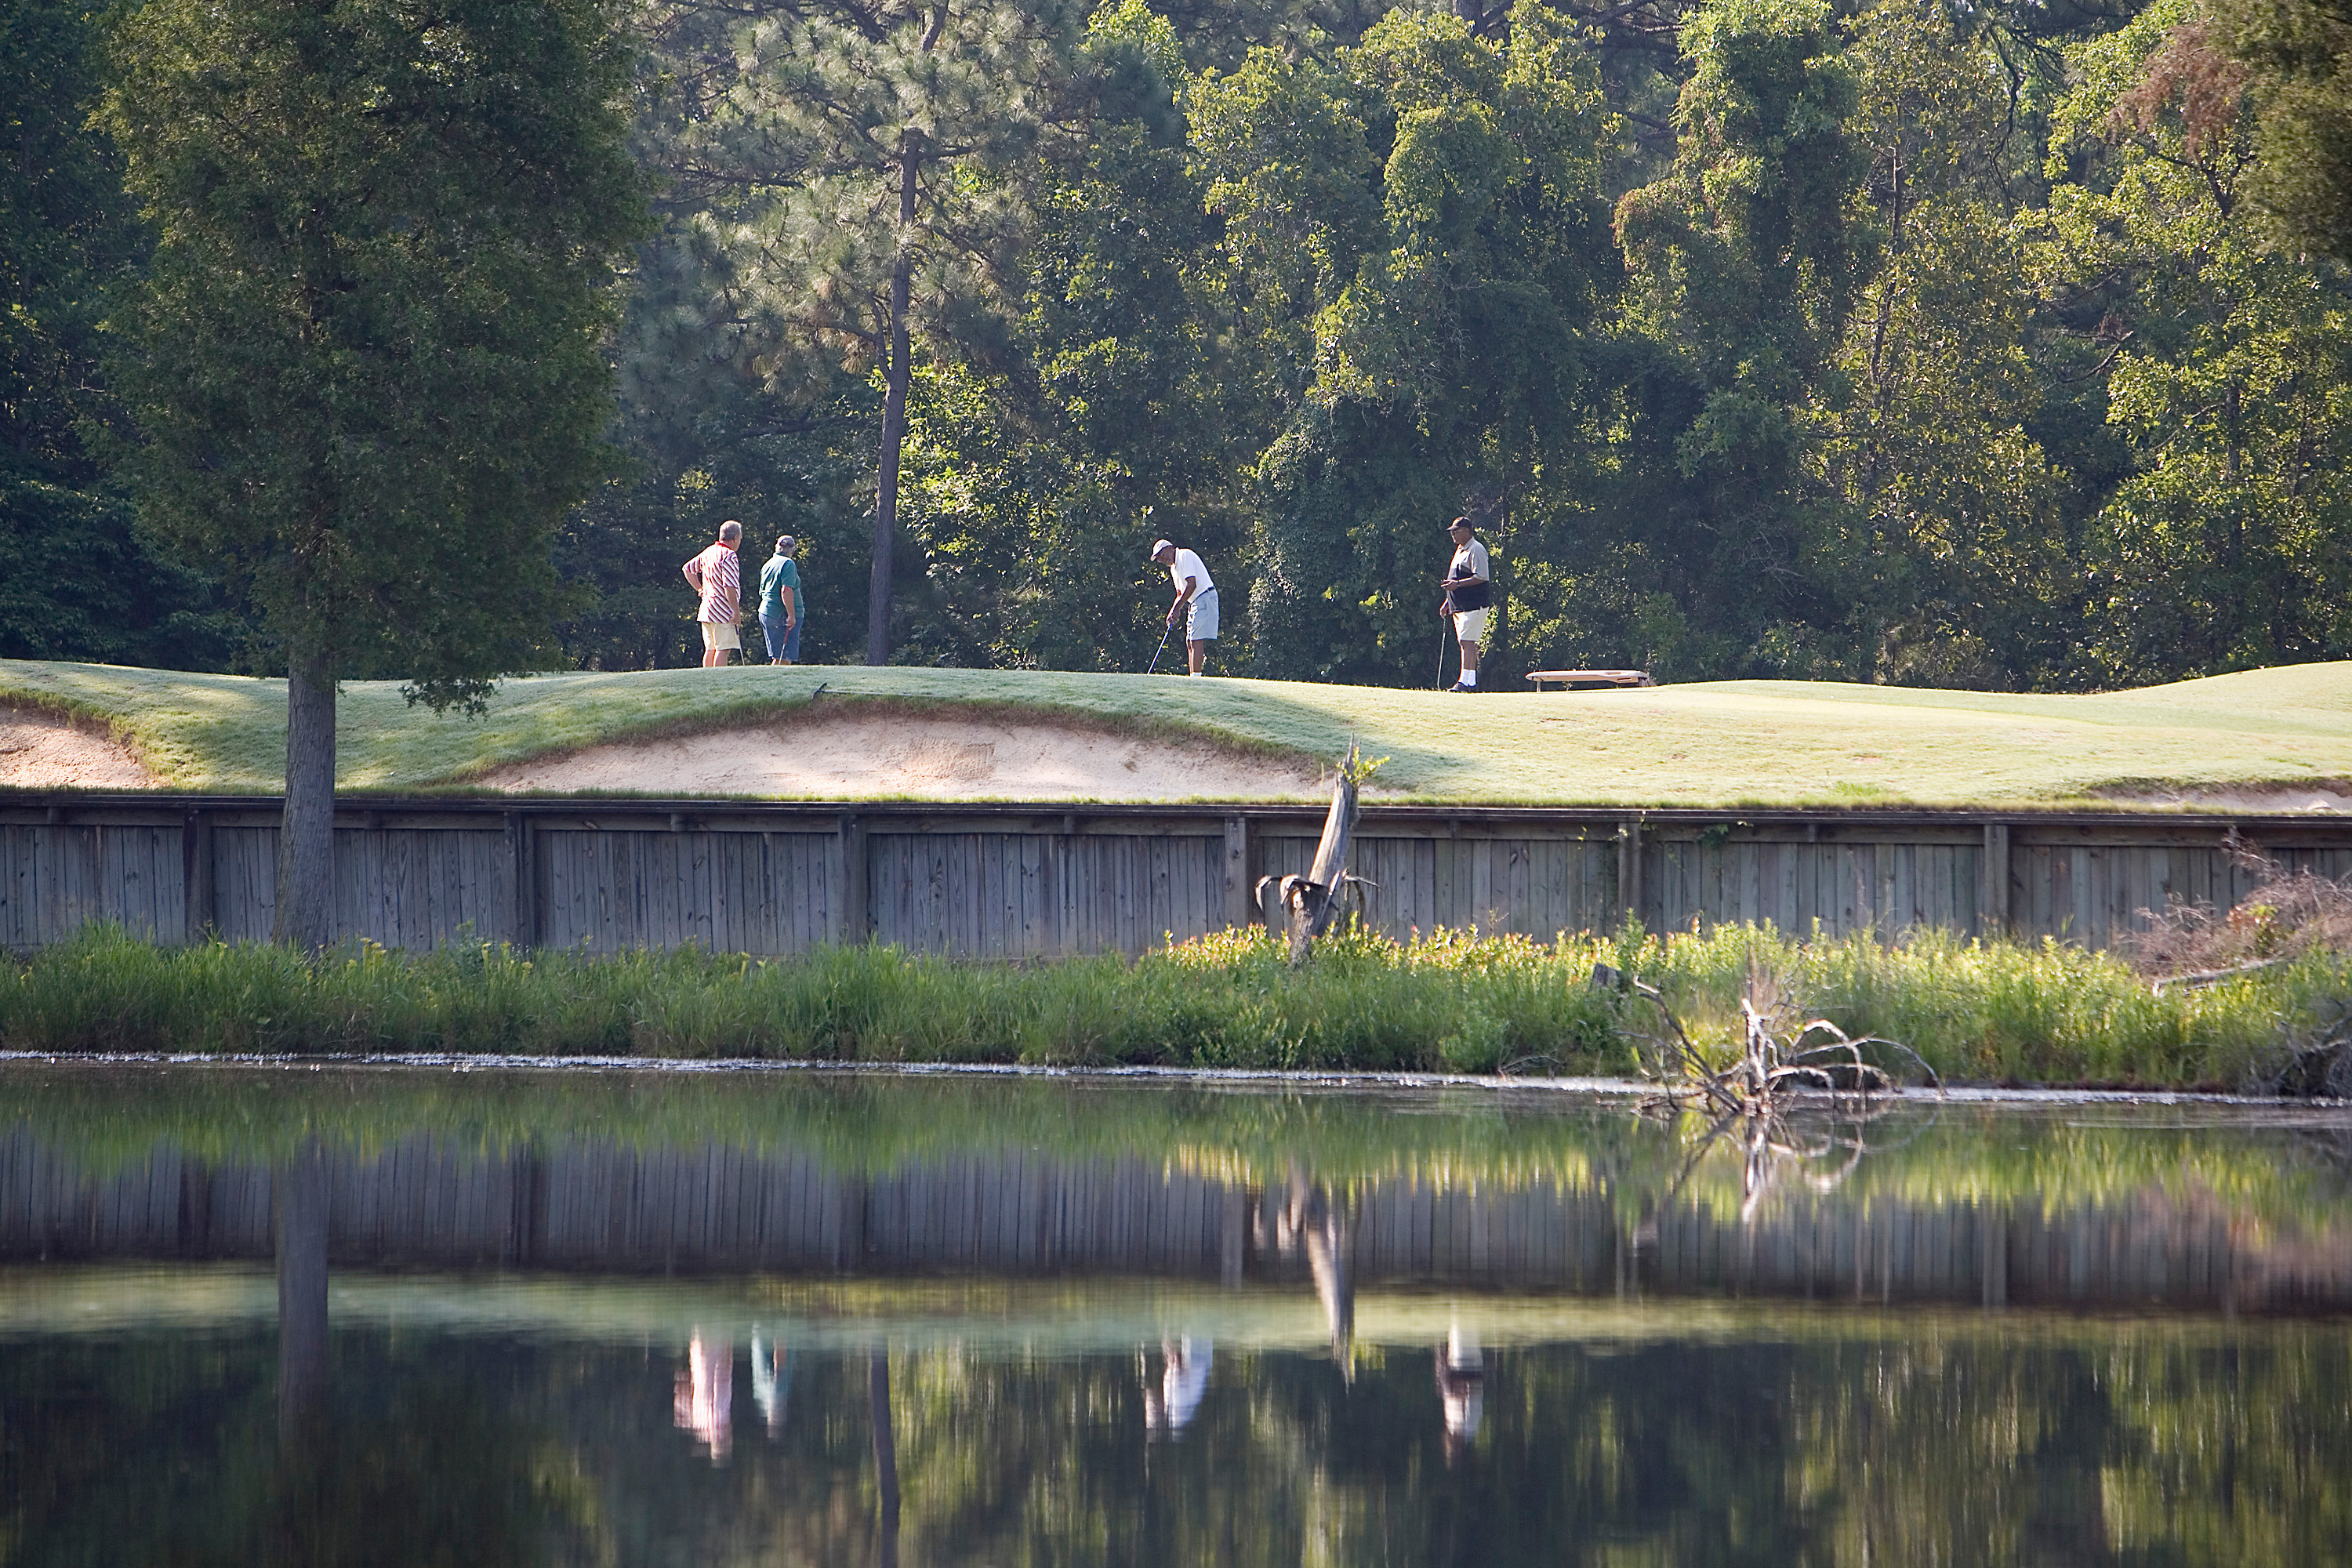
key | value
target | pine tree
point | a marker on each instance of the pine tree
(367, 365)
(874, 155)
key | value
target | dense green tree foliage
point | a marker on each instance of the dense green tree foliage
(2224, 546)
(365, 364)
(1995, 347)
(2298, 53)
(77, 578)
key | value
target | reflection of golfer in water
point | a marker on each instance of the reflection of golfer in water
(1312, 1222)
(704, 1394)
(1462, 1388)
(1183, 1379)
(771, 1382)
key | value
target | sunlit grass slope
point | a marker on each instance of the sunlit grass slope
(1720, 743)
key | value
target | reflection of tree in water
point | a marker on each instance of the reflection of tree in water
(444, 1457)
(1884, 1440)
(1816, 1145)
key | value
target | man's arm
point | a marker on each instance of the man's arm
(693, 570)
(791, 602)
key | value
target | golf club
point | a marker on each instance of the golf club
(1160, 649)
(1445, 634)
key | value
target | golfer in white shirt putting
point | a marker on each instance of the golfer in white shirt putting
(1196, 596)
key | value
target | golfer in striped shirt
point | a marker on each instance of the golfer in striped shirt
(718, 575)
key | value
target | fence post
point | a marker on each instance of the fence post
(1629, 868)
(522, 848)
(857, 898)
(1993, 898)
(1237, 889)
(199, 913)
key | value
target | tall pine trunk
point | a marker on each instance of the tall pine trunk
(894, 410)
(306, 838)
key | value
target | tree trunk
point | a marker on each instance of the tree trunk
(886, 1450)
(306, 838)
(894, 410)
(298, 1214)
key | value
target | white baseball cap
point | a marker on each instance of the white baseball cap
(1158, 546)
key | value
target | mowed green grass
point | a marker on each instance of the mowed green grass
(1708, 745)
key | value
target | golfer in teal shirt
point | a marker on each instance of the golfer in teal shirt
(780, 603)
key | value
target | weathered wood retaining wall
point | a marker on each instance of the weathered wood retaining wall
(613, 1208)
(1009, 881)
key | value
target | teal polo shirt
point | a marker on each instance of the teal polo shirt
(781, 572)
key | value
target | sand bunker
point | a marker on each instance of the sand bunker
(41, 750)
(2253, 799)
(852, 756)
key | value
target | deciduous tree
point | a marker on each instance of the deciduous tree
(1748, 255)
(2227, 368)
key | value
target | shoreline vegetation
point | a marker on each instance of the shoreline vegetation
(1976, 1012)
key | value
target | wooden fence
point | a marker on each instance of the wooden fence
(1015, 881)
(615, 1207)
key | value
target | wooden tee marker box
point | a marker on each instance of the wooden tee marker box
(1589, 680)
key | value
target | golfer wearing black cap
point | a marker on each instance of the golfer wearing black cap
(1469, 590)
(1196, 596)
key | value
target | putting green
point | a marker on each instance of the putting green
(1709, 745)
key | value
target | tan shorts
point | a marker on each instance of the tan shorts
(718, 636)
(1470, 625)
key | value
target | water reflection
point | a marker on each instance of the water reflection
(1559, 1341)
(1461, 1385)
(1310, 1224)
(299, 1230)
(1170, 1404)
(772, 1383)
(703, 1400)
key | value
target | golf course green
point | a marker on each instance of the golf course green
(2260, 732)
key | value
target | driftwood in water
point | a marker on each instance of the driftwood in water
(1304, 906)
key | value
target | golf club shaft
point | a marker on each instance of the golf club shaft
(1154, 665)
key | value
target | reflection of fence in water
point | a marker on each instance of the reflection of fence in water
(609, 1207)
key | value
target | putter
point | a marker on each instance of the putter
(1160, 649)
(1445, 634)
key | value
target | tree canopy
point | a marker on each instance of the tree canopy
(1998, 347)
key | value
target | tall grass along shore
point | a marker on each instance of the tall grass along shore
(1976, 1011)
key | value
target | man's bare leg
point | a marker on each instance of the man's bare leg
(1469, 658)
(1195, 652)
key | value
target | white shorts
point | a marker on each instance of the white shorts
(1200, 620)
(718, 637)
(1470, 625)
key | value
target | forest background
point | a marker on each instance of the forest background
(1932, 343)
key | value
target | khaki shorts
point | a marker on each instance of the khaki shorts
(1470, 625)
(718, 636)
(1200, 619)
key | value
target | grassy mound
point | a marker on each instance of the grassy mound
(1714, 744)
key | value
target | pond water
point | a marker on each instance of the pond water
(359, 1316)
